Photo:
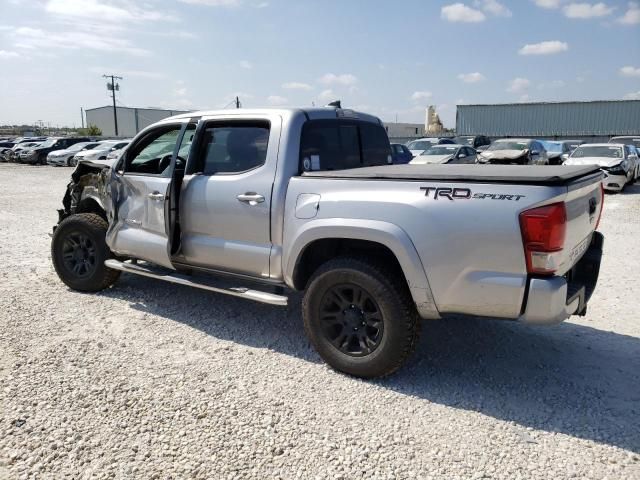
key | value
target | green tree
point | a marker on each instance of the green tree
(90, 130)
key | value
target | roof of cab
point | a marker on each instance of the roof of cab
(312, 113)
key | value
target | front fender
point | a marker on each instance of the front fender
(391, 236)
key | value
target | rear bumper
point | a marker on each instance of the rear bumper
(554, 299)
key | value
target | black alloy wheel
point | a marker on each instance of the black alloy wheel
(352, 320)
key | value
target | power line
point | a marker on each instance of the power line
(113, 86)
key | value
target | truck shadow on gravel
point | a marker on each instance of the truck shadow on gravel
(570, 379)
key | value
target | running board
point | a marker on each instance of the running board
(174, 277)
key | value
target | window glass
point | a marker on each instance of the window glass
(375, 145)
(233, 147)
(152, 155)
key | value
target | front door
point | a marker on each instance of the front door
(225, 204)
(140, 193)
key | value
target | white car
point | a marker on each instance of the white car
(619, 162)
(449, 154)
(423, 144)
(100, 151)
(65, 157)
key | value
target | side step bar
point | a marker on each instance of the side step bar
(180, 279)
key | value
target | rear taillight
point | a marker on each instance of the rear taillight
(601, 204)
(543, 234)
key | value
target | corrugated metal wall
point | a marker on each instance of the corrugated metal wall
(130, 120)
(601, 118)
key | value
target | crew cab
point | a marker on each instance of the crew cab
(259, 203)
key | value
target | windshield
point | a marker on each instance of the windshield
(441, 150)
(48, 143)
(597, 151)
(464, 140)
(626, 140)
(419, 145)
(552, 147)
(508, 146)
(76, 147)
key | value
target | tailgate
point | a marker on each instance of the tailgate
(584, 204)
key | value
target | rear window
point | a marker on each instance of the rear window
(339, 145)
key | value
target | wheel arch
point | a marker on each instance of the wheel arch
(320, 240)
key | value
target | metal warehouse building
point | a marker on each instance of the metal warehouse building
(593, 121)
(130, 120)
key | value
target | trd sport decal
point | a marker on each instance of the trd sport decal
(454, 193)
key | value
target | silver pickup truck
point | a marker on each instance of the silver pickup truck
(258, 203)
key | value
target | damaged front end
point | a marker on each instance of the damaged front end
(87, 192)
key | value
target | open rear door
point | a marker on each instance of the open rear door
(141, 220)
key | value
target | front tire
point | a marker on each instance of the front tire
(78, 252)
(360, 317)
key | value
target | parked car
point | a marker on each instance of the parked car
(100, 151)
(416, 147)
(449, 154)
(38, 155)
(477, 142)
(400, 154)
(304, 199)
(14, 154)
(65, 157)
(627, 140)
(516, 151)
(557, 151)
(573, 144)
(619, 162)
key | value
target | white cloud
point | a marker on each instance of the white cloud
(632, 96)
(344, 79)
(587, 10)
(297, 86)
(518, 85)
(459, 12)
(549, 4)
(180, 91)
(4, 54)
(327, 96)
(246, 64)
(276, 100)
(35, 38)
(493, 7)
(121, 11)
(262, 5)
(524, 98)
(632, 15)
(630, 71)
(544, 48)
(474, 77)
(421, 96)
(128, 73)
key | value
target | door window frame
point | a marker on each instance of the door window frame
(121, 166)
(196, 159)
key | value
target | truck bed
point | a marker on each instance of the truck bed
(555, 175)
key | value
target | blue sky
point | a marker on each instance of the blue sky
(388, 58)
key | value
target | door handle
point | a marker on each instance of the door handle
(157, 196)
(251, 198)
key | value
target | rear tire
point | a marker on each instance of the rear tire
(360, 317)
(78, 252)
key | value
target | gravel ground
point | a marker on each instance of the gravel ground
(149, 380)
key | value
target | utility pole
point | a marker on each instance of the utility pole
(82, 116)
(113, 86)
(237, 102)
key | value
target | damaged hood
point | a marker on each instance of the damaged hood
(423, 159)
(600, 161)
(108, 163)
(503, 154)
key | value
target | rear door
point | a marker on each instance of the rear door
(140, 193)
(225, 204)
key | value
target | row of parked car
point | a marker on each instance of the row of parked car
(619, 159)
(59, 151)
